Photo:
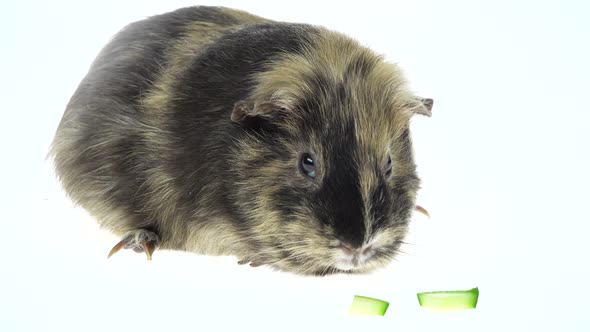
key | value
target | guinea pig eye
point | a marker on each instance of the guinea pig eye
(388, 166)
(307, 165)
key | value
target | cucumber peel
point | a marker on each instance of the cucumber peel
(449, 300)
(367, 306)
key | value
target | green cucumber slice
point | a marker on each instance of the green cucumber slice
(367, 306)
(449, 300)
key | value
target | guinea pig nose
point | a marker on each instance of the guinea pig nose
(347, 248)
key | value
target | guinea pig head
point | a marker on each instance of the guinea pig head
(325, 174)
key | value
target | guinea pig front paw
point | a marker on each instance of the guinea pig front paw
(253, 263)
(139, 240)
(246, 261)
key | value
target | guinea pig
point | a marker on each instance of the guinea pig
(218, 132)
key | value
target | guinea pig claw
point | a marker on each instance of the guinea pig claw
(116, 248)
(422, 210)
(243, 261)
(139, 240)
(149, 248)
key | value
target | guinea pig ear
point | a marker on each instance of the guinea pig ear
(421, 106)
(244, 111)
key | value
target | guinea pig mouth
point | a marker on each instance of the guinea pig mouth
(349, 259)
(344, 266)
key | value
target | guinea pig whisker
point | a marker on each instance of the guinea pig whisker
(310, 268)
(268, 237)
(403, 252)
(331, 269)
(294, 251)
(324, 270)
(282, 247)
(390, 257)
(294, 243)
(294, 246)
(296, 256)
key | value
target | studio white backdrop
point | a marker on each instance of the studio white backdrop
(503, 160)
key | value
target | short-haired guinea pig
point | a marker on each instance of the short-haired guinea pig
(215, 131)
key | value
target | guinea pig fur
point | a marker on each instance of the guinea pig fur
(218, 132)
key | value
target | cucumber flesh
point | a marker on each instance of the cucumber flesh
(449, 300)
(367, 306)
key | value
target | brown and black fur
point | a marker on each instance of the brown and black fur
(191, 124)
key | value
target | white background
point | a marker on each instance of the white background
(504, 162)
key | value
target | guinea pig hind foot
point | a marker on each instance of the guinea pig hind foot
(140, 240)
